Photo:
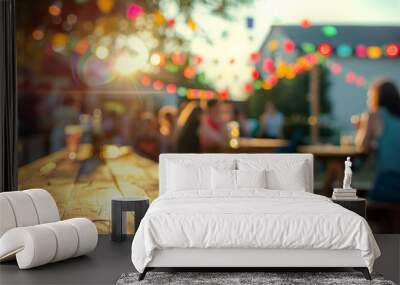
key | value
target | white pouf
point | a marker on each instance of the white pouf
(31, 232)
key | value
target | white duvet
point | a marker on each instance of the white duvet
(250, 219)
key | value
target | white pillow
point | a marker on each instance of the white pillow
(223, 179)
(190, 174)
(281, 174)
(181, 177)
(226, 179)
(251, 178)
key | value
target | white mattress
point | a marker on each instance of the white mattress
(253, 219)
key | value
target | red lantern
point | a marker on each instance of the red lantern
(224, 94)
(325, 49)
(171, 88)
(255, 56)
(248, 87)
(255, 74)
(146, 80)
(268, 65)
(392, 50)
(158, 85)
(305, 23)
(189, 72)
(170, 23)
(288, 46)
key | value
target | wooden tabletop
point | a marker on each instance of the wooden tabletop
(84, 188)
(330, 151)
(258, 145)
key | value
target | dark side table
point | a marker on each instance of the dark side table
(357, 205)
(119, 207)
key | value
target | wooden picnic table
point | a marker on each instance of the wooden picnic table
(334, 156)
(84, 187)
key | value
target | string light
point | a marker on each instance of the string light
(133, 11)
(350, 77)
(308, 47)
(361, 50)
(288, 46)
(189, 72)
(305, 23)
(171, 88)
(329, 31)
(325, 49)
(392, 50)
(102, 52)
(374, 52)
(255, 56)
(158, 85)
(344, 50)
(38, 34)
(268, 65)
(255, 74)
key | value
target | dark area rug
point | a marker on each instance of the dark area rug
(228, 278)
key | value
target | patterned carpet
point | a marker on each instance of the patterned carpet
(268, 278)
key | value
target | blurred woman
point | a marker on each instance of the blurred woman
(167, 122)
(379, 130)
(188, 139)
(271, 122)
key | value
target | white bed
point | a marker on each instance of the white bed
(251, 226)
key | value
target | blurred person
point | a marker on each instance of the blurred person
(147, 136)
(240, 117)
(214, 134)
(62, 116)
(379, 131)
(271, 122)
(188, 125)
(167, 117)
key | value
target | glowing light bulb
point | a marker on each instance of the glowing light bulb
(125, 65)
(102, 52)
(155, 59)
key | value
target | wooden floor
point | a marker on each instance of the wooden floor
(84, 187)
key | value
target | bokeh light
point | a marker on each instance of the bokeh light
(392, 50)
(308, 47)
(374, 52)
(102, 52)
(361, 50)
(55, 10)
(329, 30)
(125, 64)
(344, 50)
(325, 49)
(38, 34)
(133, 11)
(105, 6)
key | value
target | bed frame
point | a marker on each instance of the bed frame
(246, 258)
(243, 259)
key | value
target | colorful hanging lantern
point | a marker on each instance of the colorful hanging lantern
(192, 24)
(361, 50)
(329, 31)
(305, 23)
(255, 74)
(308, 47)
(170, 23)
(268, 65)
(223, 94)
(146, 80)
(255, 56)
(325, 49)
(273, 45)
(248, 87)
(182, 91)
(171, 88)
(374, 52)
(178, 58)
(189, 72)
(159, 18)
(133, 11)
(158, 85)
(288, 46)
(344, 50)
(105, 6)
(392, 50)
